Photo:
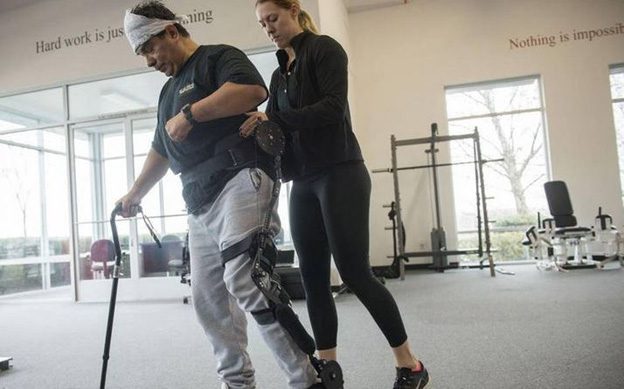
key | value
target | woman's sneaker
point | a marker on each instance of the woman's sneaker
(407, 378)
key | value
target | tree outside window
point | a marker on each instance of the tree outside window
(617, 94)
(509, 117)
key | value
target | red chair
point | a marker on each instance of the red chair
(102, 258)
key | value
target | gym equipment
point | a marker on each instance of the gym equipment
(562, 245)
(606, 245)
(263, 252)
(540, 245)
(291, 281)
(5, 363)
(289, 275)
(439, 252)
(567, 232)
(115, 275)
(394, 270)
(182, 267)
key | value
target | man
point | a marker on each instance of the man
(227, 185)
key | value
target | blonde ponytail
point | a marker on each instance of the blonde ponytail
(306, 22)
(304, 19)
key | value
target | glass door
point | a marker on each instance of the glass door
(100, 177)
(107, 156)
(164, 206)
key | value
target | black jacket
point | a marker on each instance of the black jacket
(317, 124)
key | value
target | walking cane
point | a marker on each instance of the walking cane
(115, 275)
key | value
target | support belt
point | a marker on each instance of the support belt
(238, 155)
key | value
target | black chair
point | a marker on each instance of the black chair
(180, 264)
(156, 259)
(290, 276)
(566, 228)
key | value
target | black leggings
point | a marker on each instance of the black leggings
(329, 215)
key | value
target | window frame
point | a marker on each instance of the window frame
(619, 130)
(540, 109)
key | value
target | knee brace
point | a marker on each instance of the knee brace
(263, 254)
(280, 309)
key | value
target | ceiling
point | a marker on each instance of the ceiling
(352, 5)
(363, 5)
(10, 5)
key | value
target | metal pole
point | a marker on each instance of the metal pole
(389, 170)
(436, 196)
(478, 197)
(438, 139)
(394, 234)
(486, 222)
(397, 200)
(438, 239)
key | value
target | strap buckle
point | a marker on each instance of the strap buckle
(150, 227)
(233, 156)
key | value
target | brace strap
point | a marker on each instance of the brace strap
(237, 249)
(264, 316)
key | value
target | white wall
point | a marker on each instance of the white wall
(334, 21)
(234, 22)
(404, 56)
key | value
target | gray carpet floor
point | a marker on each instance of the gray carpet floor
(528, 330)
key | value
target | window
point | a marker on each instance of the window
(101, 178)
(163, 204)
(32, 109)
(115, 95)
(617, 94)
(34, 228)
(510, 120)
(266, 63)
(21, 218)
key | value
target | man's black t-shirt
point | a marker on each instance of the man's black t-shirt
(203, 73)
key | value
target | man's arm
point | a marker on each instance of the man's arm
(229, 100)
(154, 168)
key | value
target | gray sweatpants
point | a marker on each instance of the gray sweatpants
(222, 295)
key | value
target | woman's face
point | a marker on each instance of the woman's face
(279, 24)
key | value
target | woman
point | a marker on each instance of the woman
(330, 197)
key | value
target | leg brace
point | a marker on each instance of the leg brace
(263, 253)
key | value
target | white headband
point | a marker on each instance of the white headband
(139, 29)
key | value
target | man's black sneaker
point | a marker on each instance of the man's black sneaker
(406, 378)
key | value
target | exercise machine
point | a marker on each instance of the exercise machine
(555, 248)
(5, 363)
(439, 250)
(606, 244)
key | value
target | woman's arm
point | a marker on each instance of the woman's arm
(330, 78)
